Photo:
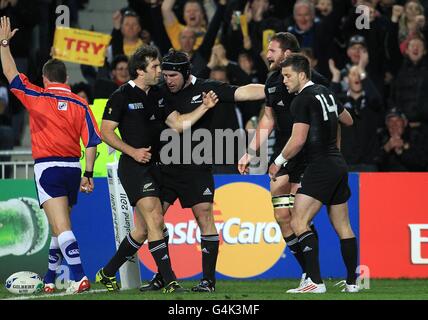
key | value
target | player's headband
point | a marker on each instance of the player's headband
(182, 67)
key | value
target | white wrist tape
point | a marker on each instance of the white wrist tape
(280, 160)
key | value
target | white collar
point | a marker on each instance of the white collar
(132, 83)
(193, 79)
(308, 84)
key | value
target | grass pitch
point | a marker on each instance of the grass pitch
(252, 290)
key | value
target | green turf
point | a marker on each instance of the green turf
(262, 290)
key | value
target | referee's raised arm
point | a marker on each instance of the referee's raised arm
(7, 61)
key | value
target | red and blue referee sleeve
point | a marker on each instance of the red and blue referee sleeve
(90, 133)
(25, 91)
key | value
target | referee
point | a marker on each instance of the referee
(192, 183)
(134, 109)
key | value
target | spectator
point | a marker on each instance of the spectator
(373, 39)
(363, 102)
(411, 23)
(317, 34)
(260, 24)
(201, 55)
(402, 148)
(408, 90)
(193, 15)
(105, 86)
(83, 90)
(127, 35)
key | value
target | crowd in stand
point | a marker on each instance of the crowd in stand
(379, 74)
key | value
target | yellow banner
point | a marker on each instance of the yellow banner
(244, 25)
(103, 157)
(80, 46)
(267, 35)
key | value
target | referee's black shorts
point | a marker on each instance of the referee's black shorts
(190, 185)
(294, 168)
(139, 180)
(327, 180)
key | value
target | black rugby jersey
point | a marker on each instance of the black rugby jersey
(139, 116)
(278, 98)
(189, 99)
(316, 106)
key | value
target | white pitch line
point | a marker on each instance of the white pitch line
(54, 295)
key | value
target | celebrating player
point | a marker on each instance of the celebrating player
(325, 180)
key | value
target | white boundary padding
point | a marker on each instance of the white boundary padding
(123, 223)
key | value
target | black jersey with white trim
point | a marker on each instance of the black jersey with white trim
(190, 98)
(139, 115)
(316, 106)
(279, 99)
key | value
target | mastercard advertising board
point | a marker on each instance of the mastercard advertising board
(251, 245)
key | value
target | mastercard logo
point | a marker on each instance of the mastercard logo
(250, 239)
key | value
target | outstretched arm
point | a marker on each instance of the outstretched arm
(250, 92)
(7, 61)
(181, 122)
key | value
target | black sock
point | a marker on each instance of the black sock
(309, 246)
(128, 247)
(293, 244)
(314, 231)
(209, 247)
(349, 250)
(160, 254)
(166, 239)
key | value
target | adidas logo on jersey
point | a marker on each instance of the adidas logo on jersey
(207, 192)
(197, 99)
(165, 257)
(62, 106)
(307, 249)
(281, 103)
(153, 117)
(204, 250)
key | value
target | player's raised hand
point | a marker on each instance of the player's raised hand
(142, 155)
(5, 30)
(210, 99)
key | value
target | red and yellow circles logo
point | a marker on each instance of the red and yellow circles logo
(250, 239)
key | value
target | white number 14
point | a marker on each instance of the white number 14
(325, 106)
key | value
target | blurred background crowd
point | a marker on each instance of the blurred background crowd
(380, 74)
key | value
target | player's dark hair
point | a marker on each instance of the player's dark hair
(299, 63)
(55, 71)
(287, 41)
(177, 61)
(141, 59)
(118, 59)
